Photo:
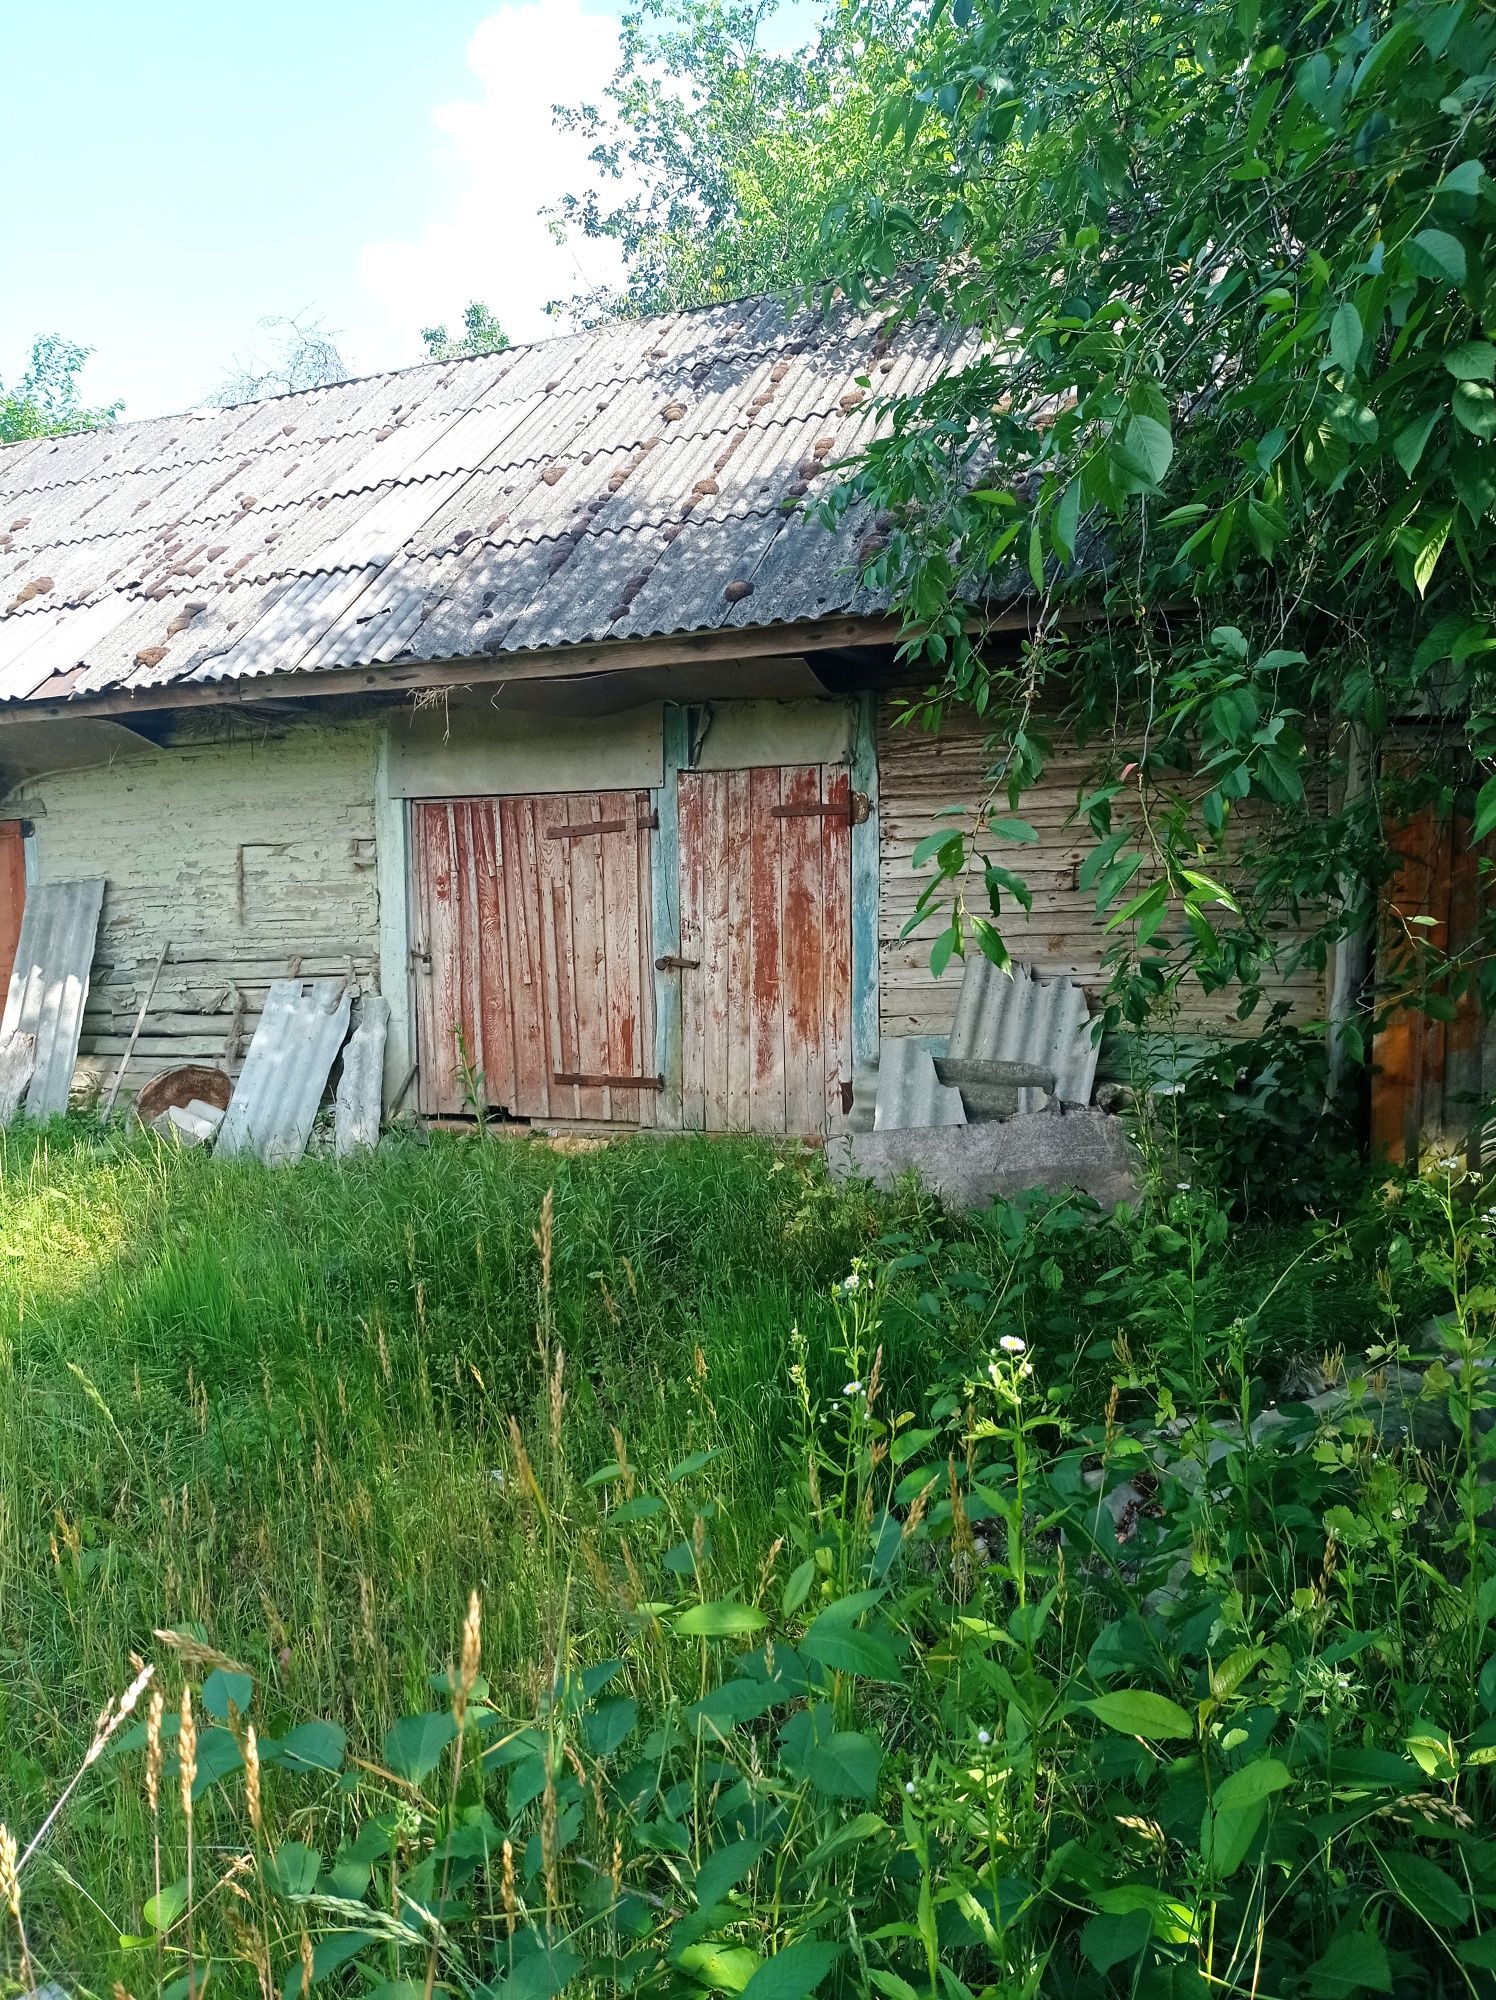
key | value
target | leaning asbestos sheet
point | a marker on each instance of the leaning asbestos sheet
(49, 986)
(1018, 1018)
(360, 1095)
(285, 1073)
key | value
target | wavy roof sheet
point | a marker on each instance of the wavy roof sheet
(645, 479)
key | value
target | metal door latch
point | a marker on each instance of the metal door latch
(673, 962)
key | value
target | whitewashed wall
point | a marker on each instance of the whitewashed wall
(254, 855)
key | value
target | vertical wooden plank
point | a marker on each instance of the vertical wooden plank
(737, 900)
(694, 942)
(767, 954)
(468, 817)
(664, 928)
(12, 896)
(523, 966)
(441, 986)
(865, 863)
(643, 849)
(1403, 1057)
(713, 978)
(1461, 1092)
(580, 864)
(560, 1036)
(802, 917)
(837, 945)
(492, 939)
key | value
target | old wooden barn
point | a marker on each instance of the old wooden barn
(523, 690)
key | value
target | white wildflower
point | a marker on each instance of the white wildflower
(1011, 1344)
(909, 1787)
(984, 1737)
(851, 1282)
(852, 1389)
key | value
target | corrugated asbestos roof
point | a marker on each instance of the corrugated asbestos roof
(620, 484)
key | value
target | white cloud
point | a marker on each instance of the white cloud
(509, 162)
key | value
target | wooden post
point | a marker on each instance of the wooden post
(145, 1007)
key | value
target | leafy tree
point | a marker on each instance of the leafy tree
(1234, 259)
(302, 354)
(45, 401)
(481, 334)
(718, 158)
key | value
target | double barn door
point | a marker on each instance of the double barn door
(537, 983)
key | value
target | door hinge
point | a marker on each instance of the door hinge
(579, 829)
(415, 957)
(608, 1082)
(673, 962)
(855, 811)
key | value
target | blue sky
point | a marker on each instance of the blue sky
(178, 172)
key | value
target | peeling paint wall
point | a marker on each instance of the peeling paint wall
(254, 855)
(918, 775)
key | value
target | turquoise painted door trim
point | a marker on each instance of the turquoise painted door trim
(665, 909)
(865, 883)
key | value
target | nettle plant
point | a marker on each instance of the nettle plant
(1136, 1686)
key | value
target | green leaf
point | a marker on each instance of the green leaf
(1226, 1835)
(1425, 1887)
(1408, 445)
(1346, 336)
(797, 1585)
(1109, 1940)
(312, 1746)
(162, 1911)
(833, 1641)
(609, 1724)
(1036, 557)
(725, 1869)
(792, 1973)
(846, 1766)
(1149, 442)
(1013, 829)
(1140, 1712)
(217, 1755)
(1251, 1784)
(335, 1949)
(694, 1463)
(1477, 1951)
(1436, 255)
(724, 1968)
(1485, 811)
(726, 1619)
(542, 1974)
(223, 1687)
(1466, 178)
(413, 1748)
(1474, 362)
(1065, 529)
(1475, 408)
(294, 1868)
(933, 844)
(1355, 1963)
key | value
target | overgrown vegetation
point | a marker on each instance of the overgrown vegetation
(871, 1601)
(45, 400)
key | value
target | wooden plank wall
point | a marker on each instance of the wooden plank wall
(254, 855)
(919, 773)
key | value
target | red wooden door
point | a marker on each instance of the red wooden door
(766, 914)
(532, 934)
(12, 896)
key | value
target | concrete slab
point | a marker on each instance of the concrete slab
(975, 1165)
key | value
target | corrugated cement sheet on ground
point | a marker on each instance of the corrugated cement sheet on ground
(285, 1073)
(49, 986)
(646, 478)
(1002, 1017)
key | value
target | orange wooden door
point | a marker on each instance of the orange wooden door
(12, 896)
(766, 949)
(532, 943)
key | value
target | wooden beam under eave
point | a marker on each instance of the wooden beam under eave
(552, 663)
